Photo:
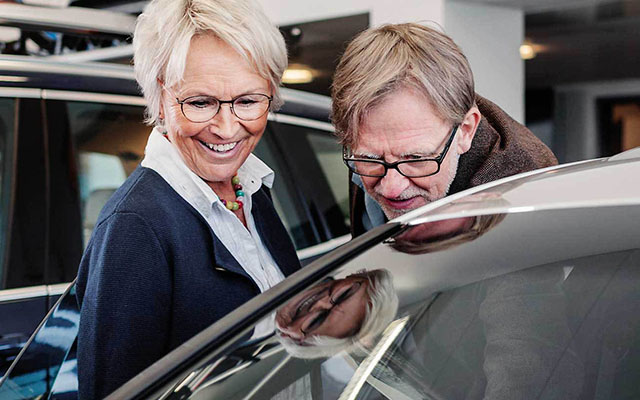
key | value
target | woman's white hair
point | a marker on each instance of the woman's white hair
(164, 31)
(381, 311)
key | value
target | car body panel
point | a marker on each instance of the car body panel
(562, 232)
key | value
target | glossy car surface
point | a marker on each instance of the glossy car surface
(521, 288)
(70, 134)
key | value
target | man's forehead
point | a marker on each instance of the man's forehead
(415, 141)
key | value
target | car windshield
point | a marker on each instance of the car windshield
(465, 308)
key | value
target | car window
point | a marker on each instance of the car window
(47, 365)
(7, 112)
(329, 155)
(110, 141)
(308, 166)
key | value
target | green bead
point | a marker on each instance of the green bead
(239, 193)
(236, 206)
(229, 205)
(235, 180)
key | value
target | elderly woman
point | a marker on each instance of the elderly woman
(192, 234)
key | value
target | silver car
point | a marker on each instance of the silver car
(527, 287)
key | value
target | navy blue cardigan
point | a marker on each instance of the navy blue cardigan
(154, 274)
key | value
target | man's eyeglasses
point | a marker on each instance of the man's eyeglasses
(247, 107)
(336, 299)
(417, 168)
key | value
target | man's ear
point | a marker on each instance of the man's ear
(467, 129)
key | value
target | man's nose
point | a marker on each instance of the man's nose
(324, 303)
(291, 332)
(393, 184)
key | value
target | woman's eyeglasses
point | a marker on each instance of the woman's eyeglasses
(247, 107)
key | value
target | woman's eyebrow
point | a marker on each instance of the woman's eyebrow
(198, 92)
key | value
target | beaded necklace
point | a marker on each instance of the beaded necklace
(235, 205)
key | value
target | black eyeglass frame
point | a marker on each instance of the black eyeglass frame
(221, 102)
(394, 165)
(319, 320)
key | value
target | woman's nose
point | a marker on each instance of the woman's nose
(223, 124)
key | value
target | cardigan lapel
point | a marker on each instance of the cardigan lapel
(269, 228)
(222, 257)
(273, 234)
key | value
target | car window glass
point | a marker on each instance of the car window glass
(110, 141)
(49, 360)
(7, 112)
(311, 181)
(329, 154)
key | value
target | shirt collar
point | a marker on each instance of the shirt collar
(164, 158)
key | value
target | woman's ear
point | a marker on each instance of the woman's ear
(161, 113)
(467, 129)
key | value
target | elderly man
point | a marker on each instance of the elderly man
(413, 128)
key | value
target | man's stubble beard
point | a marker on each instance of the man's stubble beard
(414, 191)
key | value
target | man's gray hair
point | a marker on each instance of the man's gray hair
(164, 31)
(380, 60)
(381, 311)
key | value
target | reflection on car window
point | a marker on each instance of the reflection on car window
(7, 112)
(329, 154)
(310, 184)
(110, 141)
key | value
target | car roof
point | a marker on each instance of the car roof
(99, 77)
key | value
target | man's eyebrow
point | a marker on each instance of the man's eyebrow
(367, 155)
(422, 154)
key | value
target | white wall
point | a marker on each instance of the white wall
(285, 12)
(576, 133)
(490, 37)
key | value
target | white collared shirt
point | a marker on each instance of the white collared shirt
(244, 244)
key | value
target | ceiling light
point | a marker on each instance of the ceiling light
(8, 34)
(297, 75)
(527, 52)
(48, 3)
(9, 78)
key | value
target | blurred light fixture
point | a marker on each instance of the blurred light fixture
(9, 78)
(298, 74)
(48, 3)
(9, 34)
(527, 51)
